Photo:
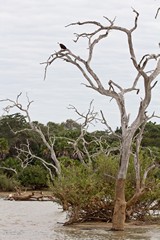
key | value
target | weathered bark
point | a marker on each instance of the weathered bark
(116, 92)
(119, 214)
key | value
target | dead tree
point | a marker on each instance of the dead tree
(81, 145)
(140, 179)
(116, 92)
(25, 154)
(86, 119)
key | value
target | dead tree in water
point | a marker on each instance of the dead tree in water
(116, 92)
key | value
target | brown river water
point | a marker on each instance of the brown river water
(32, 220)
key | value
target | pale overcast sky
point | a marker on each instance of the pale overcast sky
(29, 32)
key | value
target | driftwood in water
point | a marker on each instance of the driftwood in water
(29, 196)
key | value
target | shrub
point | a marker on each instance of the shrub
(87, 192)
(11, 163)
(34, 176)
(7, 184)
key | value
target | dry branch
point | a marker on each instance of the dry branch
(157, 13)
(26, 152)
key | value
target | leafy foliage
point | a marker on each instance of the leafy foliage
(87, 192)
(151, 135)
(34, 177)
(7, 184)
(4, 148)
(11, 163)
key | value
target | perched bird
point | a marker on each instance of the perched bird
(62, 46)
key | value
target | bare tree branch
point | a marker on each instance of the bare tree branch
(26, 156)
(117, 92)
(9, 169)
(157, 12)
(136, 20)
(104, 121)
(35, 128)
(87, 118)
(153, 165)
(138, 139)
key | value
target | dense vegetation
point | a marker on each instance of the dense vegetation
(12, 137)
(88, 193)
(85, 188)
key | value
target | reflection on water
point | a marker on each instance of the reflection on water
(43, 221)
(131, 234)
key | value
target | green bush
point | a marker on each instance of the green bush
(34, 177)
(84, 190)
(11, 163)
(7, 184)
(88, 193)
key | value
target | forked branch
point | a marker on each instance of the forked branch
(33, 127)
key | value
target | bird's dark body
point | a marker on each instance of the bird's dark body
(62, 46)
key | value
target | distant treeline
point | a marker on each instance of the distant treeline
(15, 132)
